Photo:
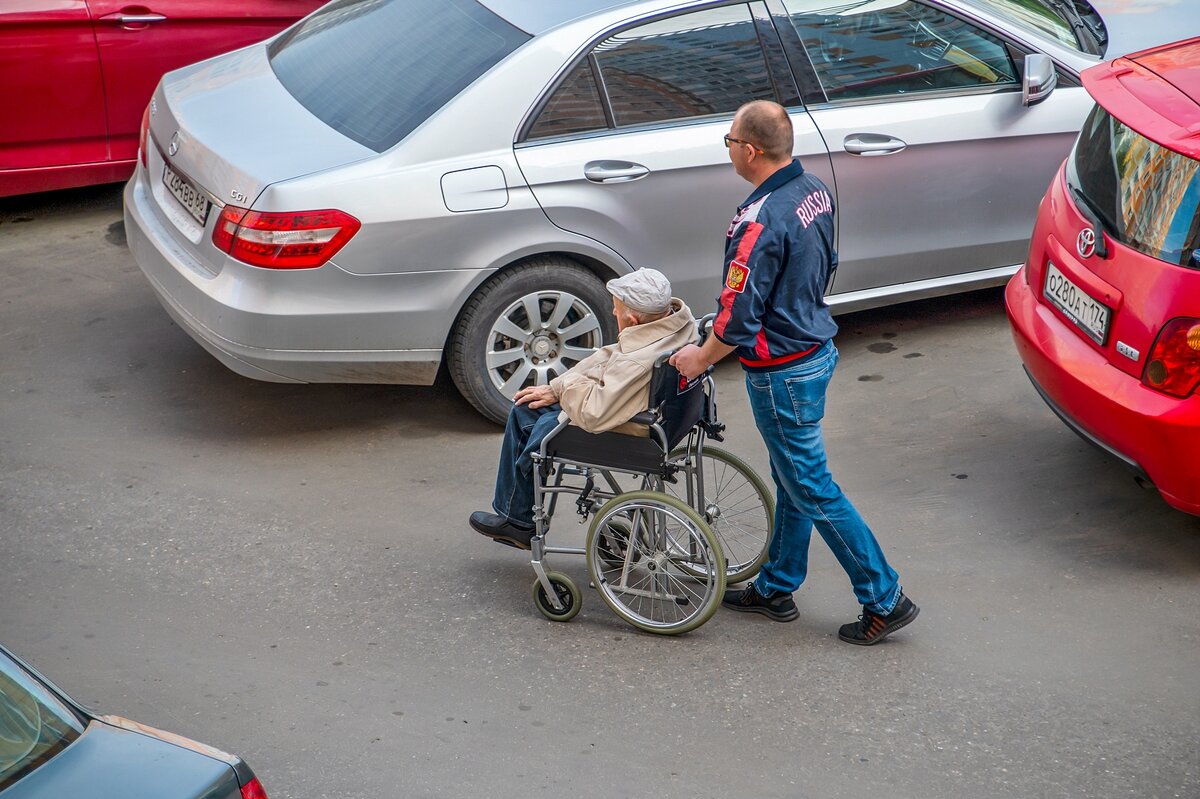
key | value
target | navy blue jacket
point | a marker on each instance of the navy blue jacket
(779, 257)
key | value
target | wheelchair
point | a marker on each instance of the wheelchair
(661, 553)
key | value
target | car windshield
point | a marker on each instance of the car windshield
(1056, 19)
(34, 725)
(374, 70)
(1146, 196)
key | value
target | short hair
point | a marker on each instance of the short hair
(767, 125)
(643, 317)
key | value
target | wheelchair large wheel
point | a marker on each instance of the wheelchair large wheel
(668, 579)
(738, 507)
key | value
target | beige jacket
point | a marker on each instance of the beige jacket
(612, 385)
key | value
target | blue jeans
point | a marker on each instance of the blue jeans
(523, 436)
(788, 406)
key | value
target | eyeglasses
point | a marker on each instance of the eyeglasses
(730, 141)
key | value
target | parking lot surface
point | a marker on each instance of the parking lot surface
(286, 572)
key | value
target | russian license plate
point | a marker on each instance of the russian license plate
(1090, 316)
(188, 195)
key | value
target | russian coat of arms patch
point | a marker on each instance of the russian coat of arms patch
(736, 279)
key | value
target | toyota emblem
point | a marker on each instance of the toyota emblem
(1085, 245)
(174, 148)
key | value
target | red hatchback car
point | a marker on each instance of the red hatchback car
(1106, 311)
(78, 74)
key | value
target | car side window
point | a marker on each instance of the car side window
(698, 64)
(575, 106)
(897, 47)
(708, 62)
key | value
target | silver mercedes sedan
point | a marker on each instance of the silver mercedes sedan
(390, 187)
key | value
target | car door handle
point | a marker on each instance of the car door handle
(121, 18)
(613, 171)
(870, 144)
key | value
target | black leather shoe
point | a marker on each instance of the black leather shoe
(502, 530)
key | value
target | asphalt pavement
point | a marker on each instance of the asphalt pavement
(286, 572)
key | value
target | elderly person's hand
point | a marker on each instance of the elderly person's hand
(535, 396)
(690, 361)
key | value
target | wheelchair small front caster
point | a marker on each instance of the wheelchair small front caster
(568, 596)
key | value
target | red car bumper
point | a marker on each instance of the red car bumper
(1155, 434)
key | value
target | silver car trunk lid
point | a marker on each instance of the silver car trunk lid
(229, 128)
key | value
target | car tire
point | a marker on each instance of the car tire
(524, 326)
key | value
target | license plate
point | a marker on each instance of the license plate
(1090, 316)
(188, 195)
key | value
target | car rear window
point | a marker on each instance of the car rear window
(374, 70)
(1146, 196)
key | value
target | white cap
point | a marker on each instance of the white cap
(644, 290)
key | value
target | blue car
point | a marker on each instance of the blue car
(51, 747)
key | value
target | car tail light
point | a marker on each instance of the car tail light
(283, 240)
(144, 139)
(1174, 363)
(253, 790)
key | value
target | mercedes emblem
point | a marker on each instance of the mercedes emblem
(1085, 245)
(174, 148)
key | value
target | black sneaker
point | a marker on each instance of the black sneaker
(872, 628)
(502, 530)
(780, 607)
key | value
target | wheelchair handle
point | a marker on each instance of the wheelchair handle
(704, 324)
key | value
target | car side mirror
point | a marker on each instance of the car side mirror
(1039, 79)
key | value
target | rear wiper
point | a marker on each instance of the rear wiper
(1091, 214)
(1089, 31)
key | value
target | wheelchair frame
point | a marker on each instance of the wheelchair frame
(700, 560)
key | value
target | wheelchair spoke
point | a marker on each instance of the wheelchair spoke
(723, 482)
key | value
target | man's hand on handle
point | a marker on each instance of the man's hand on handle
(692, 361)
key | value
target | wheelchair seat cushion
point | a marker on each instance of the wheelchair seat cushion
(608, 450)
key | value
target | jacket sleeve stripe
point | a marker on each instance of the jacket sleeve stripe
(749, 239)
(726, 303)
(728, 296)
(760, 344)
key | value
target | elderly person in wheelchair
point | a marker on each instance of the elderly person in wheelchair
(601, 393)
